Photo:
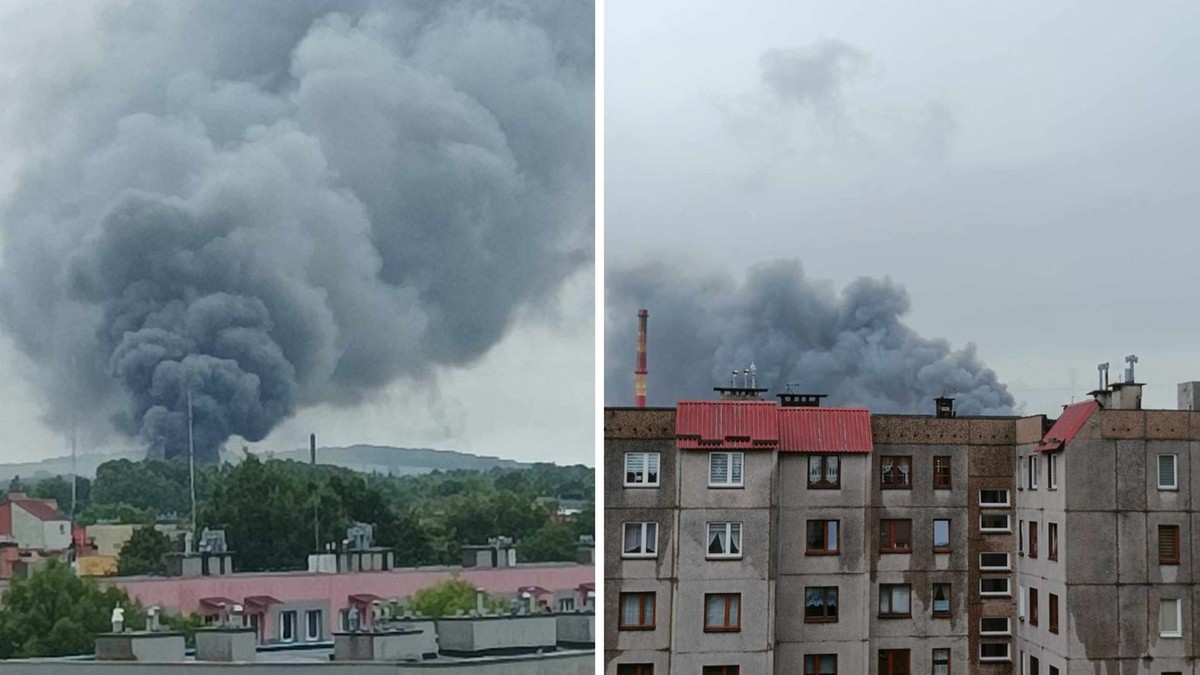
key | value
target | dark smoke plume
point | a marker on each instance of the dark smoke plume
(851, 345)
(275, 204)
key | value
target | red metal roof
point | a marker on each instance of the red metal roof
(1066, 426)
(42, 509)
(825, 430)
(744, 425)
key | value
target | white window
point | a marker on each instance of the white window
(641, 469)
(994, 651)
(1052, 471)
(995, 625)
(1168, 478)
(993, 498)
(1020, 472)
(994, 522)
(724, 540)
(344, 620)
(1021, 594)
(994, 562)
(287, 626)
(1033, 472)
(725, 469)
(641, 540)
(566, 604)
(313, 624)
(1170, 617)
(994, 586)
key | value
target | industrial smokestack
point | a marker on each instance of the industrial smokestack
(312, 449)
(639, 373)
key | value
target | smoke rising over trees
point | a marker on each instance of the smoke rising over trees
(271, 205)
(851, 345)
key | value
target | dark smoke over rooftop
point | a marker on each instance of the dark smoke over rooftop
(851, 345)
(278, 204)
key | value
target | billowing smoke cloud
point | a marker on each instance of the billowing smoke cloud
(814, 76)
(266, 205)
(851, 345)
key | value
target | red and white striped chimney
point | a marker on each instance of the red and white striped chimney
(639, 373)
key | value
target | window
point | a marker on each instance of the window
(1033, 530)
(894, 600)
(1170, 618)
(824, 472)
(1033, 607)
(641, 540)
(1052, 471)
(822, 537)
(287, 626)
(820, 664)
(995, 625)
(993, 561)
(725, 469)
(895, 536)
(895, 472)
(1052, 535)
(722, 612)
(1020, 537)
(1053, 613)
(993, 498)
(719, 670)
(566, 605)
(941, 473)
(344, 620)
(1168, 544)
(820, 604)
(941, 661)
(1020, 473)
(641, 469)
(637, 611)
(1033, 472)
(1167, 474)
(1035, 666)
(994, 522)
(893, 662)
(994, 651)
(1021, 595)
(1054, 671)
(941, 600)
(313, 622)
(635, 669)
(994, 586)
(724, 540)
(941, 536)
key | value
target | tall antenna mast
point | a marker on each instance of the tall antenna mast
(191, 461)
(312, 454)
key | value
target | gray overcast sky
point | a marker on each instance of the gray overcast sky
(1026, 170)
(368, 219)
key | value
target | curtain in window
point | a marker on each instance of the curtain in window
(814, 600)
(832, 539)
(831, 602)
(652, 467)
(1168, 615)
(735, 468)
(651, 533)
(886, 463)
(635, 467)
(633, 537)
(714, 613)
(899, 595)
(831, 468)
(718, 467)
(941, 598)
(735, 609)
(735, 538)
(904, 469)
(815, 534)
(814, 469)
(716, 539)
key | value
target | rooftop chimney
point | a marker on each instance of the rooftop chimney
(640, 371)
(945, 406)
(790, 399)
(1189, 395)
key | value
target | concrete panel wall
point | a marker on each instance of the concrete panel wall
(755, 634)
(639, 640)
(693, 562)
(758, 478)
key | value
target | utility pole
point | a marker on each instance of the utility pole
(192, 463)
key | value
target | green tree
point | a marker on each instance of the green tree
(145, 553)
(553, 542)
(188, 625)
(52, 612)
(445, 599)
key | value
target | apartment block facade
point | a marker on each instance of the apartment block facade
(745, 537)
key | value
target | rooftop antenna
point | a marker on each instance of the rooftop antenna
(1102, 372)
(1131, 359)
(745, 378)
(312, 451)
(191, 460)
(753, 376)
(733, 378)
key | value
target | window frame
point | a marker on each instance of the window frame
(826, 593)
(935, 662)
(1052, 541)
(1034, 470)
(943, 481)
(1178, 632)
(646, 455)
(1033, 539)
(720, 670)
(897, 461)
(1174, 487)
(1052, 608)
(1007, 632)
(996, 594)
(824, 464)
(888, 526)
(727, 627)
(949, 546)
(837, 526)
(889, 668)
(729, 462)
(891, 590)
(815, 660)
(995, 505)
(729, 530)
(642, 605)
(635, 669)
(1033, 606)
(1159, 540)
(991, 568)
(1052, 471)
(309, 636)
(1007, 529)
(283, 622)
(643, 555)
(1007, 644)
(949, 611)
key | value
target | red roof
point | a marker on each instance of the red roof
(217, 602)
(825, 430)
(262, 600)
(363, 598)
(1065, 427)
(42, 509)
(745, 425)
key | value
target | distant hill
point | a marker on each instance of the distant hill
(364, 458)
